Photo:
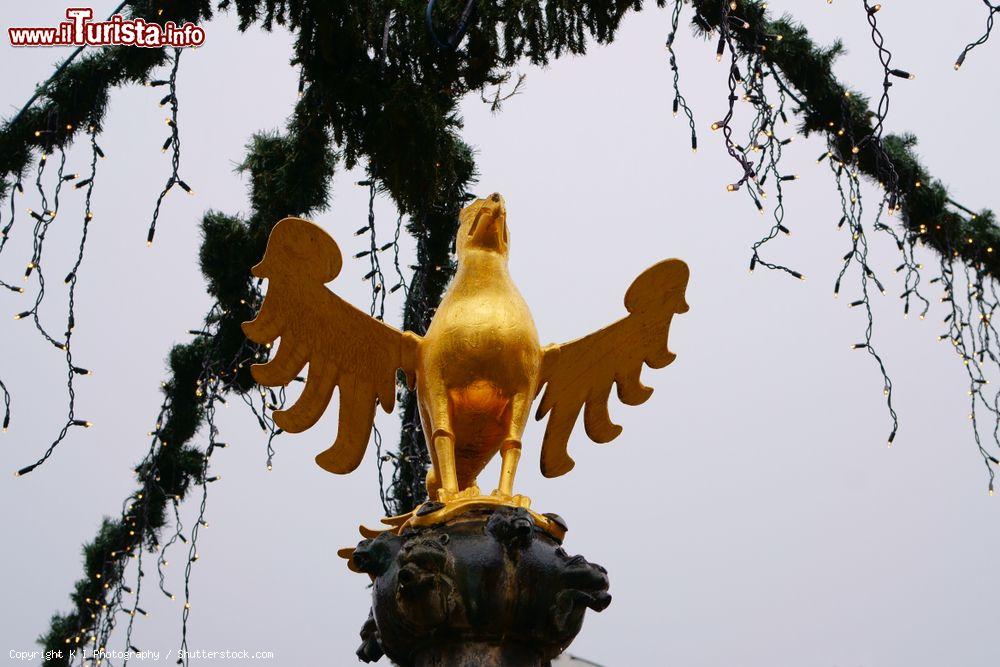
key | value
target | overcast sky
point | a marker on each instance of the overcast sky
(750, 514)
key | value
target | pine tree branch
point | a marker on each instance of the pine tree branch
(76, 96)
(289, 173)
(807, 69)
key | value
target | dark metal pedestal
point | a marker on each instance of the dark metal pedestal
(488, 589)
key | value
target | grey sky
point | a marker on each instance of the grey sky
(750, 514)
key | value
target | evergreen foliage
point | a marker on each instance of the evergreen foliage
(822, 100)
(78, 96)
(289, 173)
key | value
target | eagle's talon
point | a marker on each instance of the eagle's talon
(446, 496)
(515, 499)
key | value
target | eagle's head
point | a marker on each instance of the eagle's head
(484, 227)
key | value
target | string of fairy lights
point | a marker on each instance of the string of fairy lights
(970, 334)
(971, 299)
(906, 241)
(377, 282)
(970, 326)
(199, 523)
(135, 515)
(410, 462)
(844, 168)
(211, 385)
(269, 400)
(172, 143)
(4, 236)
(760, 159)
(46, 215)
(679, 103)
(138, 512)
(51, 131)
(993, 9)
(43, 219)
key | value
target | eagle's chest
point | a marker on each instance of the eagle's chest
(484, 324)
(483, 333)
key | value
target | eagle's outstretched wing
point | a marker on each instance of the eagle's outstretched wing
(581, 373)
(343, 346)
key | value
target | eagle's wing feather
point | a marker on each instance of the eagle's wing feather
(343, 346)
(580, 374)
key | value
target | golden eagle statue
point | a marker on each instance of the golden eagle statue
(477, 370)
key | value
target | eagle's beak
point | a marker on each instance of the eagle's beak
(489, 228)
